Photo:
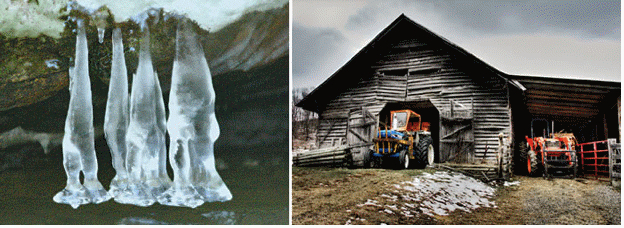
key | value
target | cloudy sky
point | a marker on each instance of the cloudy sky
(568, 39)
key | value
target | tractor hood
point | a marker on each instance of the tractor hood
(391, 134)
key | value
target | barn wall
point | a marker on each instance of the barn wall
(408, 70)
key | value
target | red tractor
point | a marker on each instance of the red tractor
(545, 155)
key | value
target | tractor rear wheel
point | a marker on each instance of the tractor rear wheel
(533, 163)
(368, 157)
(424, 152)
(523, 153)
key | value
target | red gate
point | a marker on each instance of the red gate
(595, 159)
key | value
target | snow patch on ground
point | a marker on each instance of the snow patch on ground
(434, 194)
(512, 183)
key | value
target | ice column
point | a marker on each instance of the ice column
(78, 144)
(145, 139)
(116, 116)
(192, 127)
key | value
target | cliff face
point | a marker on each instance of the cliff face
(34, 75)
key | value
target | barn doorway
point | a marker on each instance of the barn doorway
(428, 113)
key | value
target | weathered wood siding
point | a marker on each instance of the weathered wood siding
(411, 69)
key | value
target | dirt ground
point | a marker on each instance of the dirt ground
(343, 196)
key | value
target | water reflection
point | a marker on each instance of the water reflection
(140, 221)
(221, 217)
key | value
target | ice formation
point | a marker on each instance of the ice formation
(192, 127)
(101, 34)
(145, 138)
(78, 144)
(135, 125)
(116, 117)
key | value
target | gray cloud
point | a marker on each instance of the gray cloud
(590, 18)
(587, 18)
(482, 28)
(315, 51)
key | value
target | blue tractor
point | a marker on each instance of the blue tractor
(407, 144)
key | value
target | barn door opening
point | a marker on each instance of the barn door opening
(427, 112)
(360, 132)
(457, 133)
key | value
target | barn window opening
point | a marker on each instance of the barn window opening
(400, 72)
(423, 71)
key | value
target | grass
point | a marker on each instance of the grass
(326, 195)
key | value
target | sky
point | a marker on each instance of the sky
(564, 39)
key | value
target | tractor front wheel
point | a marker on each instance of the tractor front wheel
(404, 160)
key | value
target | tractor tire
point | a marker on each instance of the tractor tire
(348, 160)
(403, 161)
(523, 155)
(533, 163)
(424, 150)
(369, 159)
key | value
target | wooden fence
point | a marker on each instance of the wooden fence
(331, 156)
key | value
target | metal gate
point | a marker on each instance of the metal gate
(601, 159)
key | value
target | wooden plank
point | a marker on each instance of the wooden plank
(359, 135)
(456, 131)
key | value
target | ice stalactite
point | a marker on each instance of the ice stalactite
(116, 115)
(99, 19)
(78, 141)
(101, 34)
(145, 139)
(192, 127)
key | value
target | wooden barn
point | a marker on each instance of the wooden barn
(467, 102)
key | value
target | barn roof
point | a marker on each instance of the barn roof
(560, 97)
(330, 87)
(544, 96)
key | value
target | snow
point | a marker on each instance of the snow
(512, 183)
(31, 18)
(436, 194)
(211, 15)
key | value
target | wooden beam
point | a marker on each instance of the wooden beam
(358, 135)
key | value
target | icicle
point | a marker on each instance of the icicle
(101, 34)
(78, 140)
(99, 18)
(116, 116)
(192, 127)
(145, 139)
